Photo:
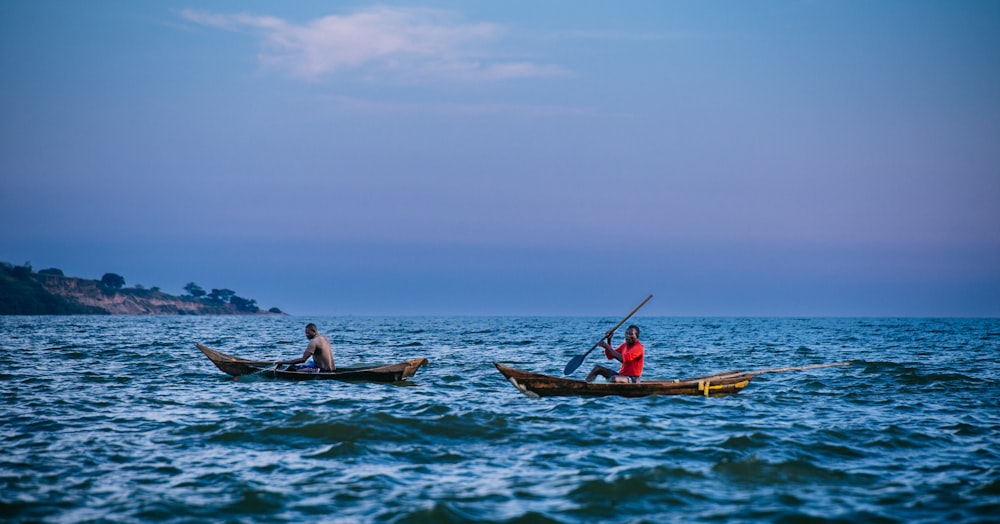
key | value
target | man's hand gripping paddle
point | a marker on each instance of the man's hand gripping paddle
(577, 360)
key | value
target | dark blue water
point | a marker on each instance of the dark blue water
(122, 419)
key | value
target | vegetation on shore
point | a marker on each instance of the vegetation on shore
(49, 292)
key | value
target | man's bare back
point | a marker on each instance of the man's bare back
(322, 352)
(319, 349)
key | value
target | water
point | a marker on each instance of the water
(122, 419)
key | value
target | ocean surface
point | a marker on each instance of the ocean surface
(121, 419)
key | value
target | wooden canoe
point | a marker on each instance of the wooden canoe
(538, 385)
(236, 367)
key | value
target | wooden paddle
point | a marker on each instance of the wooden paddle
(780, 370)
(577, 360)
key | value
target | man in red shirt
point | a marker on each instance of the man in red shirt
(631, 354)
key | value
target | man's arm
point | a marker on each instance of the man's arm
(608, 350)
(305, 356)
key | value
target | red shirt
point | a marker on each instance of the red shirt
(633, 358)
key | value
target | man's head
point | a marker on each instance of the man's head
(311, 330)
(632, 334)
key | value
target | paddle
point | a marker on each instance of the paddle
(577, 360)
(779, 370)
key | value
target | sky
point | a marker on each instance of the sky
(732, 158)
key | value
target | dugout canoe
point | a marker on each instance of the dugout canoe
(538, 385)
(237, 367)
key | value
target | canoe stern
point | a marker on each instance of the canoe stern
(229, 364)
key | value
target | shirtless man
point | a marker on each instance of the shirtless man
(320, 351)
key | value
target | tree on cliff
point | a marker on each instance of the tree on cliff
(221, 296)
(22, 294)
(194, 290)
(113, 281)
(243, 304)
(21, 272)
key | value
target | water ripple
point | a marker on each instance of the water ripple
(138, 426)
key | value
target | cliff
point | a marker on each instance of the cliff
(24, 292)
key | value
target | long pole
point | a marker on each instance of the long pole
(577, 360)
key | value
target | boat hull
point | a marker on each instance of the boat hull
(538, 385)
(237, 367)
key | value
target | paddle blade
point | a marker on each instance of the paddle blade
(573, 364)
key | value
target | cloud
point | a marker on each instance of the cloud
(406, 44)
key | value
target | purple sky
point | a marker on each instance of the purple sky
(774, 158)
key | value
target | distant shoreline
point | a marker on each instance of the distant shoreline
(48, 292)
